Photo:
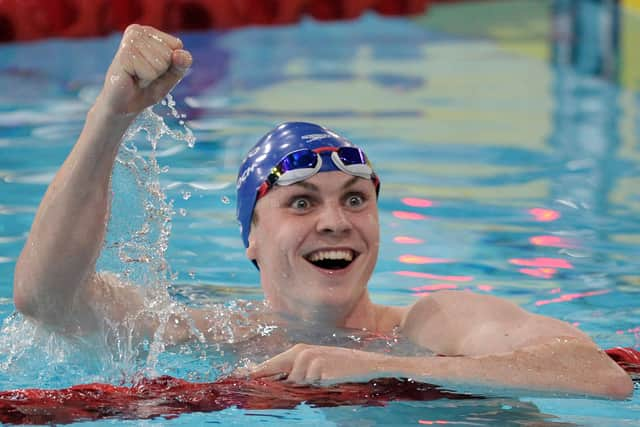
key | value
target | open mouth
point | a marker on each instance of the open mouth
(336, 259)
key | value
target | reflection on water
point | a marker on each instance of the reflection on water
(507, 152)
(587, 36)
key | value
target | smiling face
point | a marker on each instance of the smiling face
(316, 243)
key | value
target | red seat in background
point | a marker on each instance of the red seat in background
(24, 20)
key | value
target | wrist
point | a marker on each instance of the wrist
(102, 111)
(417, 367)
(105, 128)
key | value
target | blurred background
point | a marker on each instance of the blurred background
(506, 134)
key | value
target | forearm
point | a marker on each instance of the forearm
(559, 366)
(55, 278)
(68, 230)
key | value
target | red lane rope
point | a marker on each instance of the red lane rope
(627, 358)
(169, 397)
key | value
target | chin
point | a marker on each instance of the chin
(335, 299)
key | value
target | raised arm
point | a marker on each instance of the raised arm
(55, 279)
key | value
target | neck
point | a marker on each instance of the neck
(365, 315)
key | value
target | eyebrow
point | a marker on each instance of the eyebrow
(312, 187)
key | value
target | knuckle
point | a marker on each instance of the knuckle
(309, 353)
(317, 364)
(125, 48)
(133, 29)
(300, 347)
(316, 370)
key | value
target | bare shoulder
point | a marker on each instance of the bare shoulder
(464, 306)
(461, 299)
(466, 323)
(439, 321)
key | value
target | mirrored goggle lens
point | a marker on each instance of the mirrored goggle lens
(352, 156)
(305, 163)
(295, 167)
(303, 159)
(352, 160)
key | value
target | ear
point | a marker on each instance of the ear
(252, 251)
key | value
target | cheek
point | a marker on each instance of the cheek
(372, 224)
(292, 232)
(278, 238)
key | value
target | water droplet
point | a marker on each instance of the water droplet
(182, 212)
(186, 195)
(225, 200)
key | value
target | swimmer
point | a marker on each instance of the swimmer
(307, 204)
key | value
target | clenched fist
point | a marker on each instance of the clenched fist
(147, 65)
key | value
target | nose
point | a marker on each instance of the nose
(332, 220)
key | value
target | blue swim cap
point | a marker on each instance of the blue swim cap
(268, 152)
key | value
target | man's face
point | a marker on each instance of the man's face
(316, 243)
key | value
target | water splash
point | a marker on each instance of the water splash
(141, 238)
(186, 134)
(31, 354)
(142, 245)
(135, 252)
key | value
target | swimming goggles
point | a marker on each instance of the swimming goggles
(303, 164)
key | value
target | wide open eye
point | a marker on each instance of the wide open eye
(300, 203)
(355, 200)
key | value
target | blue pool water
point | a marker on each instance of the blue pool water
(509, 163)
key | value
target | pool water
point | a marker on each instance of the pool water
(509, 161)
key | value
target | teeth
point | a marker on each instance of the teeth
(339, 254)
